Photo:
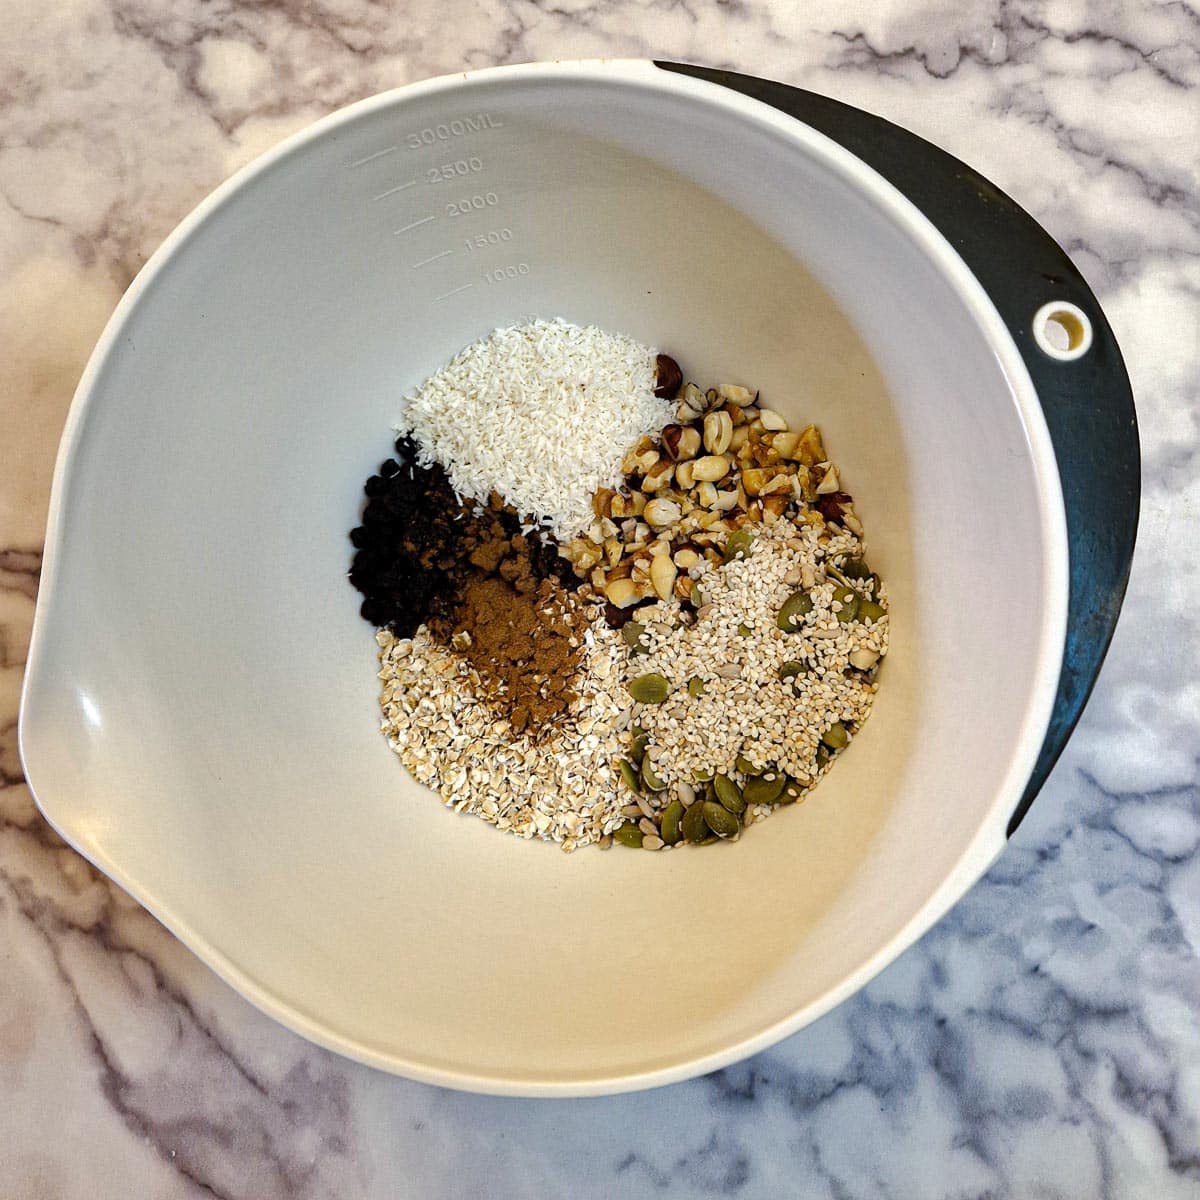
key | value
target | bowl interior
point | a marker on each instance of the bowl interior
(201, 717)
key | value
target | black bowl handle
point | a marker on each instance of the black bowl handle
(1088, 402)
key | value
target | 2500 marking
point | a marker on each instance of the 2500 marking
(453, 170)
(463, 208)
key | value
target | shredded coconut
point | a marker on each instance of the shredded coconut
(541, 413)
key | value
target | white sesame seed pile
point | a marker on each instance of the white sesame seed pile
(559, 785)
(736, 649)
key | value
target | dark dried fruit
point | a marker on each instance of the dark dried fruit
(616, 617)
(418, 543)
(830, 507)
(667, 377)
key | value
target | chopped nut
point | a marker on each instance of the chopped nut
(754, 479)
(733, 393)
(661, 513)
(602, 502)
(718, 430)
(772, 420)
(613, 550)
(691, 403)
(811, 448)
(780, 484)
(726, 501)
(685, 474)
(583, 555)
(689, 442)
(786, 443)
(622, 592)
(667, 377)
(712, 467)
(863, 658)
(662, 575)
(706, 494)
(619, 507)
(686, 558)
(829, 483)
(661, 475)
(670, 439)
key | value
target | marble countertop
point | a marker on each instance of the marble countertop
(1042, 1041)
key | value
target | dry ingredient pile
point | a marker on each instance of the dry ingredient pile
(613, 606)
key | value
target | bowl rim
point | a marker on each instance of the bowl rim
(633, 75)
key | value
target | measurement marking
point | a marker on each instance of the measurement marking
(393, 191)
(414, 224)
(432, 258)
(362, 162)
(453, 293)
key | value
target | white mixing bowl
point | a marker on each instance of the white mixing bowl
(200, 713)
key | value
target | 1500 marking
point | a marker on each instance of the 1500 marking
(493, 237)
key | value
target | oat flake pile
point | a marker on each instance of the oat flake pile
(612, 605)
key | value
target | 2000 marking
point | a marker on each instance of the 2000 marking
(453, 170)
(463, 208)
(493, 237)
(503, 274)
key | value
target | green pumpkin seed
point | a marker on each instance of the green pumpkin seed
(637, 747)
(869, 611)
(835, 737)
(650, 780)
(703, 776)
(791, 669)
(649, 689)
(848, 598)
(792, 792)
(629, 835)
(695, 687)
(834, 573)
(629, 774)
(790, 616)
(745, 630)
(856, 568)
(692, 826)
(672, 823)
(720, 820)
(764, 790)
(823, 756)
(634, 634)
(746, 767)
(729, 794)
(738, 544)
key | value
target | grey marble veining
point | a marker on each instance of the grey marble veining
(1042, 1041)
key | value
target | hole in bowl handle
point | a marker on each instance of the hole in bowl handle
(1082, 385)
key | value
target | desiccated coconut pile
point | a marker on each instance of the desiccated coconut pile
(541, 414)
(614, 606)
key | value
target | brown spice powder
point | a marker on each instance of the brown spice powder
(511, 617)
(525, 643)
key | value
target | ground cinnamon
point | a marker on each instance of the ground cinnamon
(525, 641)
